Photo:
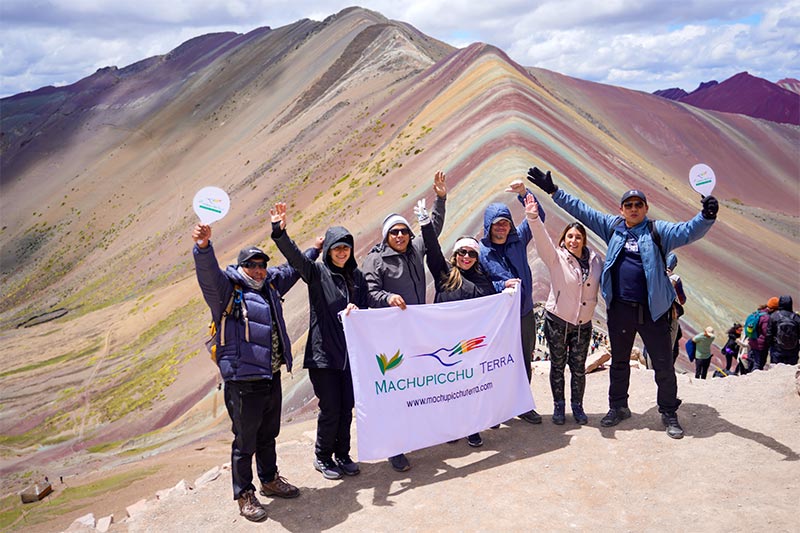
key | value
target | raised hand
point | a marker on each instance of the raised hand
(440, 184)
(318, 242)
(542, 180)
(201, 234)
(422, 213)
(517, 187)
(710, 207)
(531, 207)
(278, 214)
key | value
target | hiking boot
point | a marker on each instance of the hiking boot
(347, 466)
(578, 414)
(614, 416)
(328, 468)
(279, 487)
(670, 421)
(475, 440)
(400, 463)
(558, 413)
(250, 507)
(532, 417)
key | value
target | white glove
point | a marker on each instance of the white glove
(422, 214)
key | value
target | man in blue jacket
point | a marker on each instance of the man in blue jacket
(245, 303)
(504, 257)
(637, 290)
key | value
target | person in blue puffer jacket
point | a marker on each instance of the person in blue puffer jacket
(251, 347)
(504, 257)
(637, 290)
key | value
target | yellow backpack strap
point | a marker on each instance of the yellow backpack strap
(236, 289)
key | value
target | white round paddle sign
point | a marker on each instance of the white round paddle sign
(702, 179)
(211, 204)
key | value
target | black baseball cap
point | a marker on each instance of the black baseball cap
(250, 252)
(633, 193)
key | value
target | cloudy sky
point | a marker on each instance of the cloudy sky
(639, 44)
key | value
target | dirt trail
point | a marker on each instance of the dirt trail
(741, 453)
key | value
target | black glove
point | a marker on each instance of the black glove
(710, 207)
(542, 180)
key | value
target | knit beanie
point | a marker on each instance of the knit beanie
(772, 303)
(392, 220)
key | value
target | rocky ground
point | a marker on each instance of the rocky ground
(738, 469)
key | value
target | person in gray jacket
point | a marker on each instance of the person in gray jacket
(252, 345)
(394, 268)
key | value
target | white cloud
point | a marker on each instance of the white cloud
(642, 44)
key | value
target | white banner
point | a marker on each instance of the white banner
(433, 373)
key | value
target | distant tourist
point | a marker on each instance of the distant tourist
(756, 327)
(783, 333)
(702, 352)
(636, 289)
(459, 278)
(395, 271)
(252, 345)
(574, 281)
(334, 284)
(731, 348)
(504, 256)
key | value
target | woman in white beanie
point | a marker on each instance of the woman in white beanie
(459, 278)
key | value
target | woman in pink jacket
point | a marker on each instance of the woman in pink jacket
(574, 281)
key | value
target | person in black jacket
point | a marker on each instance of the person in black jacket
(731, 348)
(334, 285)
(245, 302)
(783, 333)
(460, 278)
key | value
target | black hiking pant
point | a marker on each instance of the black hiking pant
(255, 411)
(625, 320)
(334, 389)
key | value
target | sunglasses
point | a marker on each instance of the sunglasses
(471, 253)
(629, 205)
(255, 264)
(399, 231)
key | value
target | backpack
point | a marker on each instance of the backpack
(786, 332)
(216, 335)
(656, 236)
(690, 349)
(751, 325)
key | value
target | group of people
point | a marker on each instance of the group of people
(770, 333)
(252, 345)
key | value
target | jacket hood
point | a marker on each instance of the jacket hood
(493, 211)
(334, 235)
(785, 303)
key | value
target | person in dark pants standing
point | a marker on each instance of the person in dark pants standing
(637, 290)
(395, 272)
(335, 284)
(245, 303)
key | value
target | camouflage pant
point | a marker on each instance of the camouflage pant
(569, 345)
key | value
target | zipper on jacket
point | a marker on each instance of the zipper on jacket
(347, 302)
